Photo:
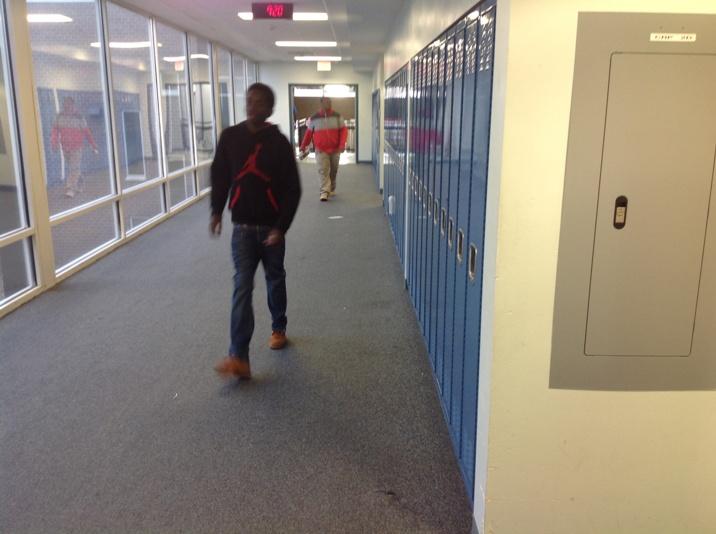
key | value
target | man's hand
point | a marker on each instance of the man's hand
(215, 225)
(274, 238)
(303, 155)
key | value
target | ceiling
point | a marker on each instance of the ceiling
(361, 27)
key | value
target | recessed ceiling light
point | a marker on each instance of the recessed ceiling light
(199, 56)
(318, 58)
(300, 17)
(307, 44)
(47, 17)
(474, 15)
(120, 44)
(310, 16)
(174, 59)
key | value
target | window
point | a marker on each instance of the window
(134, 96)
(82, 236)
(181, 189)
(71, 95)
(226, 102)
(173, 84)
(202, 97)
(239, 88)
(251, 74)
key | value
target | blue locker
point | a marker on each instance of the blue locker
(446, 215)
(463, 219)
(476, 235)
(453, 155)
(415, 104)
(421, 166)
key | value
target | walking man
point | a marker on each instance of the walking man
(255, 169)
(329, 133)
(69, 133)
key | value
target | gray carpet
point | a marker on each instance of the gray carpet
(111, 418)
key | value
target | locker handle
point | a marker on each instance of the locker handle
(472, 268)
(443, 222)
(460, 245)
(430, 204)
(451, 232)
(621, 205)
(436, 210)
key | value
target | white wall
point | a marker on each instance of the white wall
(569, 461)
(280, 75)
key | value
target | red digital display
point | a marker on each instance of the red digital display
(272, 11)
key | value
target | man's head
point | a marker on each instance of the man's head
(259, 103)
(68, 104)
(326, 103)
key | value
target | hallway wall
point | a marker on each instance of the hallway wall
(558, 460)
(570, 461)
(280, 75)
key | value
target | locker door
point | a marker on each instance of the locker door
(403, 160)
(659, 145)
(436, 189)
(463, 222)
(422, 171)
(445, 244)
(478, 192)
(414, 160)
(453, 362)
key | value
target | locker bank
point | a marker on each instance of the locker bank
(502, 321)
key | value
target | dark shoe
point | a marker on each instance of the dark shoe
(324, 197)
(236, 367)
(278, 340)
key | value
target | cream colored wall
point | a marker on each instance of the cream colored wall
(279, 75)
(569, 461)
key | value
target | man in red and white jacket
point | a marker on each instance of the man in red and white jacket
(329, 133)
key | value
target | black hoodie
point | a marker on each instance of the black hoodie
(257, 172)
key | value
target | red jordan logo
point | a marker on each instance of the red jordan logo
(250, 167)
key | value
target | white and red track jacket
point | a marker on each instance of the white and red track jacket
(327, 131)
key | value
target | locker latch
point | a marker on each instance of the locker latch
(620, 212)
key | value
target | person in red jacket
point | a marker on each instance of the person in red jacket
(329, 133)
(69, 132)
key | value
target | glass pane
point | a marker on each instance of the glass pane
(239, 89)
(71, 98)
(251, 74)
(225, 101)
(17, 273)
(203, 175)
(84, 234)
(12, 204)
(142, 207)
(181, 188)
(203, 99)
(133, 93)
(175, 98)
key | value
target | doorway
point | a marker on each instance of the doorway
(305, 100)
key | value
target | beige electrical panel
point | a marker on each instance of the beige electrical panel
(638, 234)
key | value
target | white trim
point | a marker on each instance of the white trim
(15, 236)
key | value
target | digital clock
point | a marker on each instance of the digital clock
(272, 11)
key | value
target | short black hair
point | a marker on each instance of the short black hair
(266, 91)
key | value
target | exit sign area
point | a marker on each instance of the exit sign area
(272, 10)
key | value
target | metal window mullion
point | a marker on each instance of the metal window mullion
(14, 237)
(232, 114)
(190, 96)
(213, 77)
(111, 115)
(163, 162)
(30, 140)
(84, 209)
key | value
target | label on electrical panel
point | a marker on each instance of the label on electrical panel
(673, 37)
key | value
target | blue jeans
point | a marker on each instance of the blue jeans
(247, 249)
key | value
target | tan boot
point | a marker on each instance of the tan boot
(236, 367)
(278, 340)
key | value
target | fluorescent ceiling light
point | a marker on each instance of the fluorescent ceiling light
(47, 17)
(310, 16)
(120, 44)
(318, 58)
(307, 44)
(175, 59)
(474, 15)
(301, 17)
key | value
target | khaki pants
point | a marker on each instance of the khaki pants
(74, 167)
(327, 170)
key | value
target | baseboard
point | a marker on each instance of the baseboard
(362, 161)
